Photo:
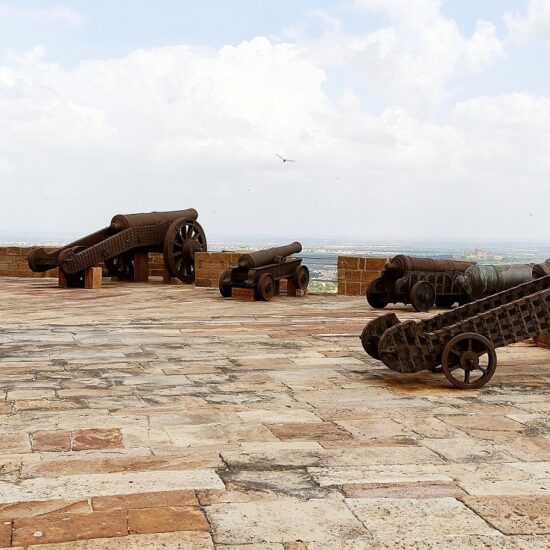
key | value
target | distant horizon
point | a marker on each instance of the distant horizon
(55, 237)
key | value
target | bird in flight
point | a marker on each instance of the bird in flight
(283, 158)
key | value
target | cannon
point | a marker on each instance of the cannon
(462, 340)
(177, 234)
(263, 270)
(422, 282)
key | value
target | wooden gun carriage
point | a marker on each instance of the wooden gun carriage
(462, 340)
(176, 234)
(263, 270)
(422, 282)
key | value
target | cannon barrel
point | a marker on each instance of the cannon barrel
(400, 264)
(483, 280)
(268, 256)
(125, 221)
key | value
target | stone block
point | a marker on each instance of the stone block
(47, 441)
(96, 439)
(55, 528)
(145, 500)
(62, 280)
(92, 277)
(245, 294)
(203, 282)
(5, 534)
(350, 262)
(30, 509)
(353, 289)
(543, 340)
(375, 264)
(166, 519)
(514, 515)
(353, 276)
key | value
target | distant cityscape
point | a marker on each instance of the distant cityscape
(321, 255)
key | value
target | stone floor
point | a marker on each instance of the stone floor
(148, 416)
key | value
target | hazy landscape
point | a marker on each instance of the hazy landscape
(321, 255)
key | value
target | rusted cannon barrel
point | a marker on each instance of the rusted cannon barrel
(483, 280)
(125, 221)
(541, 270)
(268, 256)
(400, 264)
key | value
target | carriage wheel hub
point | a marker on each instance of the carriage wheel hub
(190, 247)
(469, 360)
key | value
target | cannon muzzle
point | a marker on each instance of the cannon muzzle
(125, 221)
(268, 256)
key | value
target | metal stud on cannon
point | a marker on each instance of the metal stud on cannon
(129, 238)
(261, 272)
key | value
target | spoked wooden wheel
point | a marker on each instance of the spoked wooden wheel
(469, 361)
(422, 296)
(301, 278)
(183, 240)
(266, 287)
(121, 267)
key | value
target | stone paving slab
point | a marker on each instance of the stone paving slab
(152, 416)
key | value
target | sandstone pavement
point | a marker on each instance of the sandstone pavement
(154, 416)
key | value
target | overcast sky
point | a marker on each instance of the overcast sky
(408, 119)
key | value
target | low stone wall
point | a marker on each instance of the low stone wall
(355, 273)
(209, 266)
(13, 262)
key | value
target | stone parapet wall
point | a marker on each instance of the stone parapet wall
(355, 273)
(209, 266)
(13, 262)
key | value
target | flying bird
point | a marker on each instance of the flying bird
(283, 158)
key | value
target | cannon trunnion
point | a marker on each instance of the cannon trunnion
(262, 271)
(177, 234)
(422, 282)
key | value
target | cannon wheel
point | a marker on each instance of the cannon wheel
(225, 289)
(121, 267)
(183, 240)
(370, 343)
(466, 352)
(301, 278)
(422, 296)
(376, 294)
(265, 289)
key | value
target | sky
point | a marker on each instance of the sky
(407, 119)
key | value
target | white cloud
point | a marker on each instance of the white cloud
(5, 166)
(57, 13)
(534, 23)
(186, 126)
(412, 59)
